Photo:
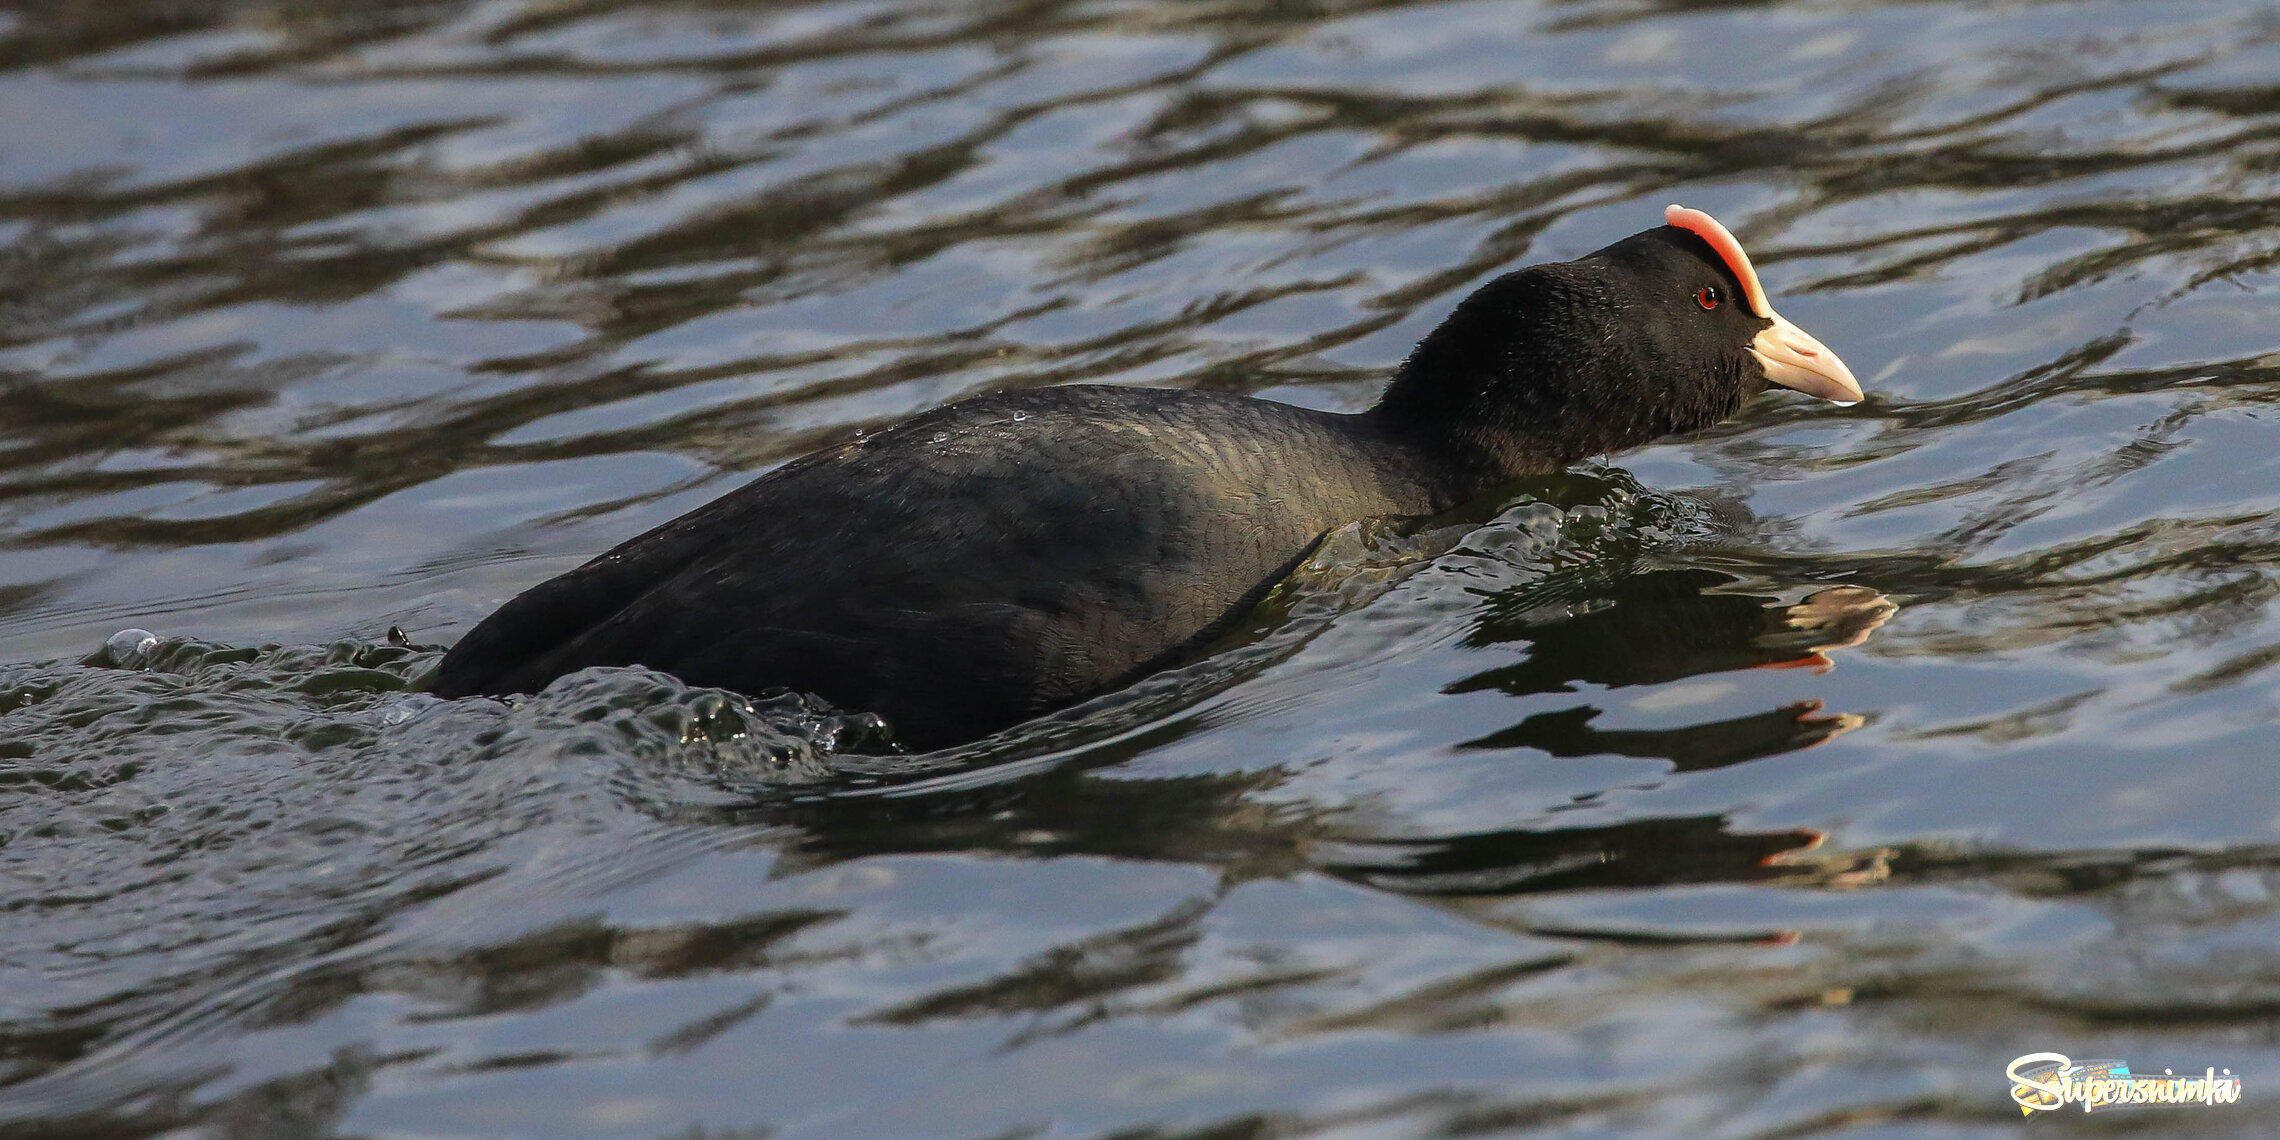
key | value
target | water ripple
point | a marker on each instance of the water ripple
(1787, 784)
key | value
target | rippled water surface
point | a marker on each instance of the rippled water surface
(1640, 810)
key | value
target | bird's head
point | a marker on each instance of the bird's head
(1666, 331)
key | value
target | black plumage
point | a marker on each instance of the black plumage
(1014, 553)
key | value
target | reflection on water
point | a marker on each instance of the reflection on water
(1789, 780)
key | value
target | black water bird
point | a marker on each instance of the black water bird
(1007, 555)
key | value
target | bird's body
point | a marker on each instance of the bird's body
(1008, 555)
(976, 565)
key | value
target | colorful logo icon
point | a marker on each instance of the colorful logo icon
(2047, 1082)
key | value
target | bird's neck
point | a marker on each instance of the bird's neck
(1489, 402)
(1463, 458)
(1543, 368)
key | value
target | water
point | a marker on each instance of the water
(318, 318)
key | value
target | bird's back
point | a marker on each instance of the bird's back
(970, 567)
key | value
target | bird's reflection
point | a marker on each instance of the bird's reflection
(1661, 626)
(1658, 626)
(1695, 747)
(1221, 821)
(1642, 852)
(1608, 631)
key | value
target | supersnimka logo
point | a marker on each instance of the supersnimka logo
(2047, 1082)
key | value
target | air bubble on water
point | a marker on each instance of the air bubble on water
(130, 648)
(404, 707)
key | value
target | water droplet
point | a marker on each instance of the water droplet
(130, 648)
(941, 437)
(1020, 416)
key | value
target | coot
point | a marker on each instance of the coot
(1014, 553)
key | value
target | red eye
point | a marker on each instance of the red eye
(1708, 297)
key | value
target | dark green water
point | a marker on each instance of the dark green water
(320, 316)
